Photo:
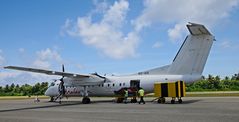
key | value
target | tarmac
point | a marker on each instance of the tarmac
(198, 109)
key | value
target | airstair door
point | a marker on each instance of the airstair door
(135, 83)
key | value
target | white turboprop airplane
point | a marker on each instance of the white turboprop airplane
(187, 66)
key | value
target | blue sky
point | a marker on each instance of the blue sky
(118, 37)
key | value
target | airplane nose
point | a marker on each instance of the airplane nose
(47, 92)
(52, 91)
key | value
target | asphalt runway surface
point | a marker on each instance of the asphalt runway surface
(104, 110)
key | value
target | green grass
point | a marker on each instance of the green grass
(212, 94)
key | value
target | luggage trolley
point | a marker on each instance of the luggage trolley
(169, 89)
(132, 94)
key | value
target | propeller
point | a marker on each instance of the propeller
(61, 85)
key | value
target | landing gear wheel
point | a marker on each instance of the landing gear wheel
(120, 100)
(51, 99)
(161, 100)
(133, 101)
(86, 100)
(172, 101)
(180, 100)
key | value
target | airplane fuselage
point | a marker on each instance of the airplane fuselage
(115, 83)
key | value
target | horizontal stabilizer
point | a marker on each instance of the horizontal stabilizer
(197, 29)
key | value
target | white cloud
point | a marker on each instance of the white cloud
(157, 45)
(9, 77)
(106, 35)
(176, 32)
(100, 7)
(2, 59)
(21, 50)
(45, 58)
(180, 12)
(226, 44)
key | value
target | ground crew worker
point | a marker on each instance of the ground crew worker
(141, 95)
(125, 96)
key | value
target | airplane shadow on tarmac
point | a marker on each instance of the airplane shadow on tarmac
(72, 103)
(184, 102)
(63, 103)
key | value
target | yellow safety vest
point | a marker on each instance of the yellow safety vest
(126, 93)
(141, 92)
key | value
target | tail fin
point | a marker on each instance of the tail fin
(192, 56)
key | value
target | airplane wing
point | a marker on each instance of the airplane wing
(48, 72)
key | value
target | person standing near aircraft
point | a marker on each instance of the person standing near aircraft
(126, 94)
(141, 95)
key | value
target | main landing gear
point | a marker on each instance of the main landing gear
(86, 99)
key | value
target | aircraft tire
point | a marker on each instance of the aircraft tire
(133, 101)
(159, 100)
(120, 100)
(172, 101)
(163, 100)
(180, 101)
(86, 100)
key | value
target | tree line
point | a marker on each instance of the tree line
(211, 83)
(24, 90)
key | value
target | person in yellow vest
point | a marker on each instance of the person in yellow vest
(126, 94)
(141, 95)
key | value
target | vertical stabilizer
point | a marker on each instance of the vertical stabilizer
(192, 56)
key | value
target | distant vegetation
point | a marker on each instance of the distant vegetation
(24, 90)
(210, 83)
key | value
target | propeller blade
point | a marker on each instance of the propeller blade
(63, 68)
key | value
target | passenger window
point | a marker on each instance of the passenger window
(123, 84)
(113, 84)
(120, 84)
(102, 85)
(108, 85)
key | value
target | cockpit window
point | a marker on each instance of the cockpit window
(52, 84)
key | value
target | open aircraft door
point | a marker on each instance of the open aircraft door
(135, 84)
